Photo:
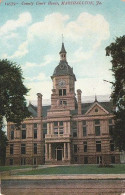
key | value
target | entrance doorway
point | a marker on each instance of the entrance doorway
(59, 153)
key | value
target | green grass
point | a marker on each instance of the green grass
(9, 168)
(80, 169)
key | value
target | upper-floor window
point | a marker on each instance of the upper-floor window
(35, 130)
(75, 148)
(23, 134)
(44, 129)
(23, 126)
(12, 127)
(98, 146)
(35, 148)
(11, 148)
(84, 128)
(97, 127)
(23, 131)
(74, 128)
(12, 134)
(62, 92)
(58, 127)
(23, 148)
(97, 122)
(63, 102)
(110, 127)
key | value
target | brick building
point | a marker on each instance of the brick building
(68, 131)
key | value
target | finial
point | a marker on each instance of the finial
(62, 38)
(95, 98)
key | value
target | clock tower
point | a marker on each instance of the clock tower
(63, 92)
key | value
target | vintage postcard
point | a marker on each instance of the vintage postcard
(65, 146)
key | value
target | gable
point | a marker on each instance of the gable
(96, 109)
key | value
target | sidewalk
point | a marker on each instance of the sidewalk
(67, 177)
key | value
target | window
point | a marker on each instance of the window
(84, 128)
(84, 131)
(110, 129)
(97, 122)
(74, 128)
(75, 148)
(84, 122)
(35, 148)
(112, 146)
(44, 132)
(23, 126)
(11, 148)
(23, 161)
(110, 121)
(12, 135)
(112, 159)
(97, 130)
(12, 127)
(97, 127)
(75, 159)
(99, 159)
(11, 161)
(85, 146)
(23, 131)
(35, 133)
(98, 146)
(85, 160)
(23, 134)
(75, 134)
(63, 102)
(23, 148)
(96, 110)
(58, 127)
(34, 161)
(44, 129)
(62, 92)
(35, 125)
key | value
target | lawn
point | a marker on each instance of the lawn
(9, 168)
(80, 169)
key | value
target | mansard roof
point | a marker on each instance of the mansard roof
(63, 69)
(85, 107)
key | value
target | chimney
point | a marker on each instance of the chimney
(79, 101)
(39, 105)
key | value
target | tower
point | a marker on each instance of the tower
(63, 102)
(63, 78)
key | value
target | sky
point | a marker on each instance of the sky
(31, 35)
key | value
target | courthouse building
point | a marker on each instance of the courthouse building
(65, 132)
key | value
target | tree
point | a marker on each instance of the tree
(12, 97)
(117, 51)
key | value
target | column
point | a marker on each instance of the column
(50, 152)
(69, 155)
(46, 151)
(64, 151)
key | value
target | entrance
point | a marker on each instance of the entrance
(59, 153)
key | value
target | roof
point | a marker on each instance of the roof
(62, 49)
(63, 69)
(85, 107)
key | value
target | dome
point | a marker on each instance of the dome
(63, 69)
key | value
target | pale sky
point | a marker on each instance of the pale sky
(30, 35)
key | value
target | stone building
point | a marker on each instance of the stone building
(68, 131)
